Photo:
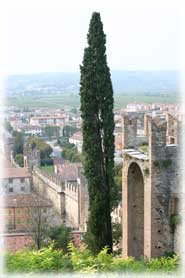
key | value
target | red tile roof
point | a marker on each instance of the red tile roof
(24, 200)
(14, 173)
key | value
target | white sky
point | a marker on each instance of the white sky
(50, 36)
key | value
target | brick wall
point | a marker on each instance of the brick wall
(14, 242)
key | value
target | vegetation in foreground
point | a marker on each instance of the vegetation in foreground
(81, 260)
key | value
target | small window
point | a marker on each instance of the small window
(10, 224)
(28, 220)
(10, 180)
(22, 188)
(28, 211)
(22, 180)
(18, 221)
(11, 189)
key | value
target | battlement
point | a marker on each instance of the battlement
(52, 180)
(157, 124)
(130, 137)
(31, 158)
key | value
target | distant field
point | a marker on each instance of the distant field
(74, 100)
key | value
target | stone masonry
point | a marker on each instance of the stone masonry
(150, 192)
(69, 198)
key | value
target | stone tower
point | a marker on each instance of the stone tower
(150, 194)
(31, 158)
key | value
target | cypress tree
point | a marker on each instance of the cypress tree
(97, 103)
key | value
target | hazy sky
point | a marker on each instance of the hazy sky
(50, 36)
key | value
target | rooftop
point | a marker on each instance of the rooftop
(15, 173)
(24, 200)
(68, 171)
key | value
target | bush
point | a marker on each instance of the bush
(46, 259)
(46, 161)
(82, 260)
(163, 264)
(61, 237)
(19, 159)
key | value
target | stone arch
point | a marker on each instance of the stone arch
(135, 208)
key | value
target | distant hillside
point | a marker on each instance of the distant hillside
(132, 82)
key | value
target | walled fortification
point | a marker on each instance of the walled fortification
(150, 190)
(69, 198)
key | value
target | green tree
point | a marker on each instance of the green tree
(8, 126)
(98, 140)
(61, 236)
(45, 149)
(19, 159)
(117, 189)
(69, 130)
(50, 131)
(18, 140)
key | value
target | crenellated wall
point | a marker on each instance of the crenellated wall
(69, 198)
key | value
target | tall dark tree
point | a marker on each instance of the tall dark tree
(98, 140)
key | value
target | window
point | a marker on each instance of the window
(22, 180)
(10, 180)
(28, 220)
(11, 189)
(18, 221)
(10, 224)
(22, 188)
(172, 140)
(28, 211)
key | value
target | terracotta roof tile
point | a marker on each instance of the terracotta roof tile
(24, 200)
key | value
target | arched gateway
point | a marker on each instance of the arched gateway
(133, 202)
(135, 211)
(149, 186)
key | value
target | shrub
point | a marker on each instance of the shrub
(19, 159)
(146, 171)
(61, 237)
(169, 264)
(46, 259)
(81, 260)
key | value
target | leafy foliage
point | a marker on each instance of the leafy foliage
(82, 260)
(117, 187)
(45, 149)
(19, 159)
(97, 103)
(70, 153)
(175, 219)
(116, 232)
(69, 130)
(60, 237)
(52, 131)
(18, 141)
